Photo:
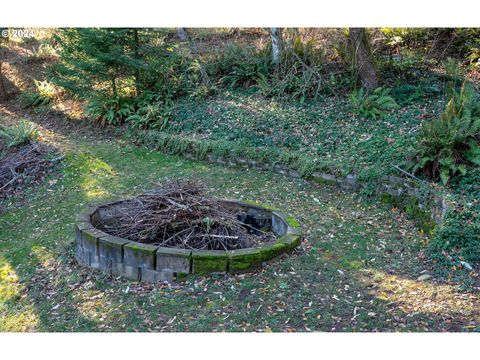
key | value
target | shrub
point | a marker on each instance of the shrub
(458, 238)
(109, 111)
(151, 111)
(474, 56)
(21, 134)
(44, 95)
(43, 52)
(302, 73)
(372, 105)
(406, 93)
(239, 67)
(447, 144)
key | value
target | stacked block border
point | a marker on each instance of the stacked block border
(150, 263)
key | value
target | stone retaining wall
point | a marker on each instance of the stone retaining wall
(405, 190)
(144, 262)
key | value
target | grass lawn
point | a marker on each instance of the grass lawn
(357, 268)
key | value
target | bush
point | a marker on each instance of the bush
(151, 111)
(458, 238)
(21, 134)
(372, 105)
(44, 95)
(43, 52)
(446, 145)
(240, 67)
(109, 111)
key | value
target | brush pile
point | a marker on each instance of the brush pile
(179, 214)
(22, 166)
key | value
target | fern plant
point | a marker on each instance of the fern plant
(21, 134)
(449, 143)
(109, 111)
(372, 105)
(45, 93)
(152, 111)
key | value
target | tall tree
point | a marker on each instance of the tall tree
(276, 34)
(3, 90)
(362, 58)
(96, 60)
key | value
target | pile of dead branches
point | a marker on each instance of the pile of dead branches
(24, 165)
(179, 214)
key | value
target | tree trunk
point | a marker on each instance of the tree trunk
(3, 90)
(137, 57)
(363, 59)
(276, 34)
(182, 34)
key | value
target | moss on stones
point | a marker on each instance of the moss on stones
(143, 248)
(291, 221)
(90, 238)
(291, 241)
(271, 251)
(132, 259)
(209, 261)
(244, 260)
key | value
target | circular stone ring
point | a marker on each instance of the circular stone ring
(146, 262)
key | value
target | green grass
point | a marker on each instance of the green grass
(356, 270)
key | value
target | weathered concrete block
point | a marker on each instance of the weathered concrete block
(81, 255)
(279, 224)
(139, 255)
(351, 180)
(84, 216)
(209, 261)
(294, 173)
(79, 227)
(131, 272)
(271, 251)
(175, 260)
(93, 260)
(111, 247)
(156, 276)
(90, 240)
(118, 269)
(291, 241)
(244, 260)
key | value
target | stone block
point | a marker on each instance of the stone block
(175, 260)
(272, 250)
(84, 216)
(111, 247)
(131, 272)
(139, 255)
(81, 255)
(279, 224)
(79, 227)
(244, 260)
(156, 276)
(90, 240)
(291, 241)
(209, 261)
(93, 260)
